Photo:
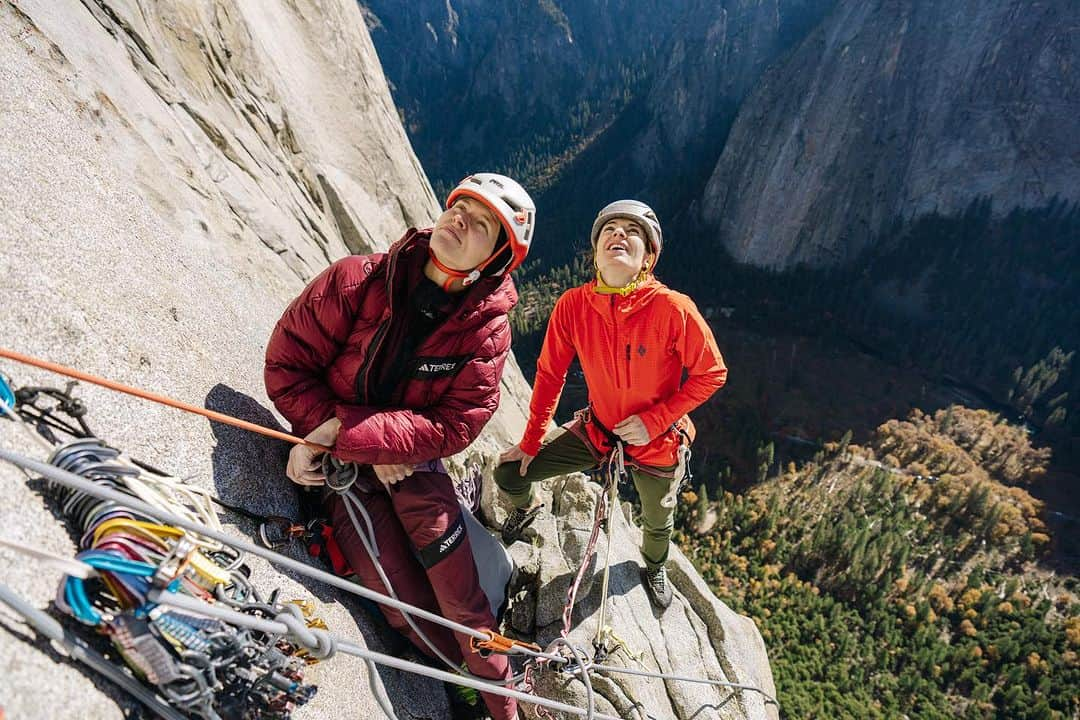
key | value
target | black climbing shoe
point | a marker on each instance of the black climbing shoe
(516, 522)
(657, 586)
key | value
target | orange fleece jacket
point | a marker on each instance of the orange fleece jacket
(633, 351)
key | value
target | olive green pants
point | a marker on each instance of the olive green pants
(568, 453)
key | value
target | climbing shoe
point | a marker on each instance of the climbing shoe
(657, 586)
(516, 522)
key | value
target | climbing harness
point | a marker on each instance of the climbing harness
(176, 597)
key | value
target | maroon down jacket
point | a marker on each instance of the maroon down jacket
(319, 359)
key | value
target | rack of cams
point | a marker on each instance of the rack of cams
(207, 668)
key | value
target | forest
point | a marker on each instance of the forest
(902, 578)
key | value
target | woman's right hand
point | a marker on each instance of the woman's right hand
(305, 466)
(514, 453)
(305, 463)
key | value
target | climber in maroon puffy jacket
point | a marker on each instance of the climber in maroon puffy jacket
(394, 360)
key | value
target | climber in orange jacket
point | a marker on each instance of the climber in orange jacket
(634, 337)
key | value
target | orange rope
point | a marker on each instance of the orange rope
(154, 397)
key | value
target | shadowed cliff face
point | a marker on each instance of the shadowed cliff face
(498, 83)
(893, 110)
(173, 173)
(869, 112)
(587, 101)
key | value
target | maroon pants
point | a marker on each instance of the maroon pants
(424, 551)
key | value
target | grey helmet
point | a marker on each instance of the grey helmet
(631, 210)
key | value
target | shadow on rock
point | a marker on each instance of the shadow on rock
(249, 472)
(128, 705)
(622, 578)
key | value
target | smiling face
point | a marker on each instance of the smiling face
(465, 234)
(621, 250)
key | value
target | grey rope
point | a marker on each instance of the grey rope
(378, 690)
(46, 625)
(197, 606)
(321, 643)
(681, 678)
(585, 677)
(369, 545)
(351, 502)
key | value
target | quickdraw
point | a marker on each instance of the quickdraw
(207, 668)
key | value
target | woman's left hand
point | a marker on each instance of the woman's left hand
(326, 434)
(632, 431)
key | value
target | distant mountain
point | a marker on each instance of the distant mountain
(504, 85)
(585, 100)
(894, 110)
(850, 114)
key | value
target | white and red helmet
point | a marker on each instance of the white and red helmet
(516, 212)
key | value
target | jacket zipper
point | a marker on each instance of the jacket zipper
(628, 382)
(362, 376)
(615, 344)
(373, 348)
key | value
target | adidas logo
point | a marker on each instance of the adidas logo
(448, 542)
(436, 367)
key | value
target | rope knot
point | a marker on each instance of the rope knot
(319, 643)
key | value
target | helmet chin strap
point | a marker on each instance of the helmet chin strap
(467, 277)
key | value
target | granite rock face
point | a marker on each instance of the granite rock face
(697, 636)
(892, 110)
(173, 173)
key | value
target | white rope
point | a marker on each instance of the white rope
(372, 549)
(368, 539)
(198, 607)
(681, 678)
(81, 484)
(68, 566)
(602, 631)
